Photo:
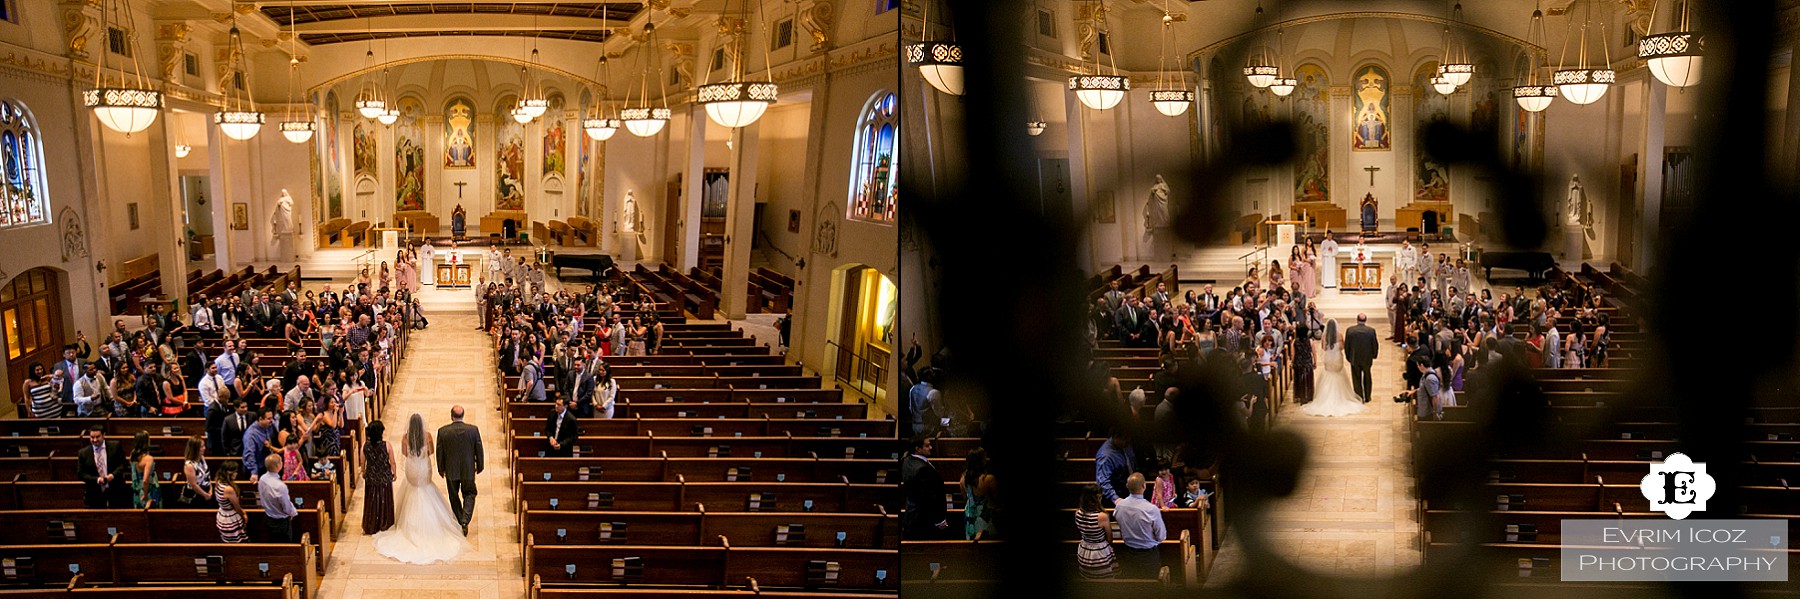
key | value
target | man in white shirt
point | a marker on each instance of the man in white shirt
(227, 362)
(203, 316)
(1141, 524)
(91, 390)
(214, 392)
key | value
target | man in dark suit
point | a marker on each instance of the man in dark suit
(562, 430)
(101, 467)
(232, 427)
(1361, 347)
(923, 515)
(459, 459)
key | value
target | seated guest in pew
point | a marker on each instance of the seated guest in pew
(1141, 524)
(562, 430)
(278, 506)
(923, 516)
(146, 488)
(230, 519)
(99, 465)
(1095, 552)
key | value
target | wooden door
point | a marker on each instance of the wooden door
(31, 315)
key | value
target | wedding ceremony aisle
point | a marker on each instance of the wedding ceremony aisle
(448, 364)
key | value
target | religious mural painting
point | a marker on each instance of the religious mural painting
(1431, 179)
(363, 151)
(459, 133)
(555, 142)
(1521, 120)
(1369, 109)
(509, 161)
(334, 180)
(409, 156)
(1312, 117)
(1485, 101)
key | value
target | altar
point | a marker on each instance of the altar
(1359, 272)
(454, 271)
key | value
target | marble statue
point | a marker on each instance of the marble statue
(628, 220)
(281, 226)
(1156, 208)
(1578, 222)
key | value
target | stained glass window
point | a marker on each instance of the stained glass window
(874, 173)
(22, 186)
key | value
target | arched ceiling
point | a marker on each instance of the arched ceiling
(322, 22)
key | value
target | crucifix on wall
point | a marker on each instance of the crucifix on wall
(460, 184)
(1371, 169)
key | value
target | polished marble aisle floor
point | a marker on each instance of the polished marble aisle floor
(1352, 513)
(448, 364)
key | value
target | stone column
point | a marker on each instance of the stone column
(161, 209)
(740, 214)
(1080, 188)
(693, 190)
(1656, 101)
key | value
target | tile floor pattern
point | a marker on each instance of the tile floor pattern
(1352, 512)
(448, 364)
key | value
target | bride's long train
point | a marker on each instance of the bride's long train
(425, 530)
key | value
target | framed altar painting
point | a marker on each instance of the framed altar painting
(1369, 109)
(240, 216)
(1104, 211)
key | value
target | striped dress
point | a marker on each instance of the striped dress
(1095, 553)
(230, 521)
(44, 403)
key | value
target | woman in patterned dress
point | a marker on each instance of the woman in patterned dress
(146, 490)
(196, 477)
(42, 391)
(230, 518)
(378, 482)
(1095, 552)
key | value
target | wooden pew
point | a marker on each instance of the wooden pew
(750, 427)
(666, 469)
(539, 590)
(798, 529)
(771, 567)
(717, 497)
(975, 560)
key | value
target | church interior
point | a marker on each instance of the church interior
(677, 217)
(1362, 298)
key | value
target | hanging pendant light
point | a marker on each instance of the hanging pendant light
(1169, 97)
(296, 124)
(1583, 83)
(389, 116)
(1282, 86)
(1097, 91)
(240, 119)
(1442, 85)
(1260, 70)
(368, 97)
(736, 102)
(1531, 94)
(131, 106)
(182, 150)
(1674, 57)
(647, 120)
(1035, 128)
(939, 62)
(1456, 68)
(599, 127)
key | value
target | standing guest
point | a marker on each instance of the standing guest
(330, 430)
(146, 489)
(1141, 524)
(1163, 495)
(70, 369)
(1095, 552)
(228, 362)
(214, 393)
(93, 393)
(230, 519)
(531, 381)
(278, 506)
(378, 481)
(196, 477)
(926, 403)
(232, 428)
(1113, 463)
(173, 390)
(293, 467)
(256, 442)
(42, 389)
(1303, 364)
(923, 516)
(100, 465)
(606, 391)
(978, 496)
(561, 430)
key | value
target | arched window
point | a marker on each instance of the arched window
(22, 192)
(873, 166)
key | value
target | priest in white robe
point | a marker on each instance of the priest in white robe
(427, 267)
(1328, 252)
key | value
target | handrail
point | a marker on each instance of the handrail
(860, 371)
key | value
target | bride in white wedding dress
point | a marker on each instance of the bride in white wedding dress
(425, 530)
(1332, 393)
